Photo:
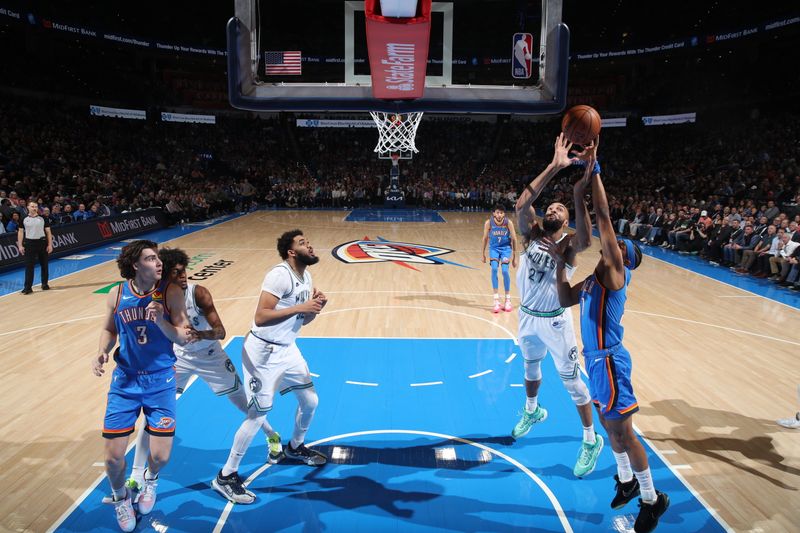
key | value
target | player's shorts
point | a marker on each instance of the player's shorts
(501, 254)
(211, 364)
(131, 393)
(610, 382)
(540, 332)
(269, 368)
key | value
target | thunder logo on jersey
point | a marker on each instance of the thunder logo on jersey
(499, 234)
(142, 344)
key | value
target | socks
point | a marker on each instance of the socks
(531, 404)
(137, 473)
(119, 493)
(589, 436)
(241, 441)
(624, 471)
(646, 488)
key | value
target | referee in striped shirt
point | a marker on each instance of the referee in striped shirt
(35, 242)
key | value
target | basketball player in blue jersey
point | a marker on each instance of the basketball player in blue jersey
(499, 234)
(148, 316)
(204, 357)
(602, 298)
(544, 325)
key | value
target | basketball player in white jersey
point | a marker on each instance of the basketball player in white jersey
(543, 324)
(205, 358)
(273, 363)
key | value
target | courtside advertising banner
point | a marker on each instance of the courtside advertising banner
(522, 56)
(82, 235)
(398, 52)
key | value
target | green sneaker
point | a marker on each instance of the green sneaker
(587, 457)
(529, 419)
(275, 449)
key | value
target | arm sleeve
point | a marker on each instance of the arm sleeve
(278, 282)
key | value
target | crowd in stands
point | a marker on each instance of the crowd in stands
(726, 189)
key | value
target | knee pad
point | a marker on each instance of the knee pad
(578, 391)
(533, 370)
(493, 264)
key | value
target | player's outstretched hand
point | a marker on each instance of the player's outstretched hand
(98, 362)
(589, 152)
(562, 147)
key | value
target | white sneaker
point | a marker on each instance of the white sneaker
(496, 308)
(147, 497)
(790, 423)
(123, 509)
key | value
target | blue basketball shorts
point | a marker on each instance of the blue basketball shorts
(501, 254)
(610, 382)
(132, 393)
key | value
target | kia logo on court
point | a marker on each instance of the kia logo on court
(105, 229)
(384, 251)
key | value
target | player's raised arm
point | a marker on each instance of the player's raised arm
(206, 303)
(512, 231)
(524, 206)
(614, 272)
(108, 335)
(583, 223)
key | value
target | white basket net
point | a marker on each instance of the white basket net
(396, 132)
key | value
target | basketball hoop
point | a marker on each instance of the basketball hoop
(396, 133)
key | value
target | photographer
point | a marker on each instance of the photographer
(697, 237)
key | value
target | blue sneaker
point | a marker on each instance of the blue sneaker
(587, 457)
(528, 420)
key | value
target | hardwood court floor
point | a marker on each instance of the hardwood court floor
(714, 366)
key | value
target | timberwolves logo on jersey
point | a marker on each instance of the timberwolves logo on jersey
(540, 263)
(385, 251)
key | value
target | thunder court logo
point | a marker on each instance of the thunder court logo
(382, 250)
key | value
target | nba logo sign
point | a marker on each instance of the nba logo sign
(522, 56)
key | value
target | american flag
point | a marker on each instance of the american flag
(281, 63)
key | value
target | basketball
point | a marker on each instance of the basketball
(581, 124)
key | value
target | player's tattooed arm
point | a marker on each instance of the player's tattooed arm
(108, 334)
(524, 206)
(206, 304)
